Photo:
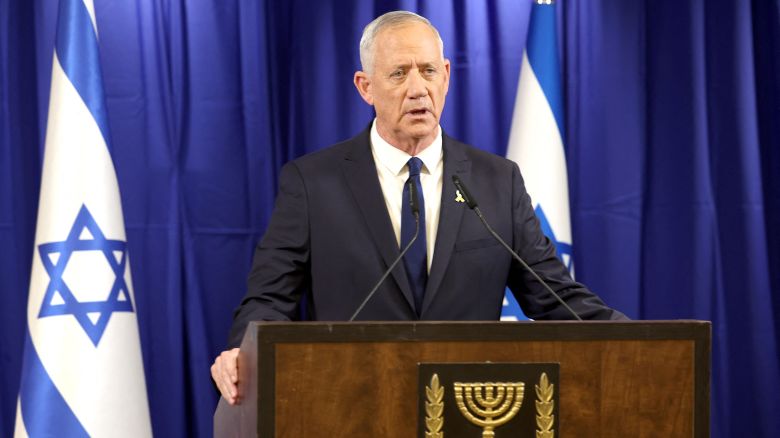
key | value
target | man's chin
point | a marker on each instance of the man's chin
(421, 128)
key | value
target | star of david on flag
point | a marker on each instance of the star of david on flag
(85, 236)
(82, 371)
(536, 139)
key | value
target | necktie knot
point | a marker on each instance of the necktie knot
(415, 166)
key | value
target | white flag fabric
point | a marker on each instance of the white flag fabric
(536, 138)
(82, 370)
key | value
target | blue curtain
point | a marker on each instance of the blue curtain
(672, 130)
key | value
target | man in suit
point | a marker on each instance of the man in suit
(343, 214)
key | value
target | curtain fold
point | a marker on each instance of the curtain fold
(20, 161)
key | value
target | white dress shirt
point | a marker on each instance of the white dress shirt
(393, 172)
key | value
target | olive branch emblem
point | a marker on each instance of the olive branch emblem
(434, 408)
(544, 408)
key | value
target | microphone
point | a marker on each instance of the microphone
(414, 203)
(415, 207)
(472, 204)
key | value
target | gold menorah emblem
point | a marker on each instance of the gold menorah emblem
(489, 405)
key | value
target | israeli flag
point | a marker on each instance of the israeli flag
(82, 371)
(536, 139)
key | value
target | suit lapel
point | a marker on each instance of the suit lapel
(360, 173)
(450, 214)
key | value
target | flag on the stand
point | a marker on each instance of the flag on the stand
(82, 372)
(536, 139)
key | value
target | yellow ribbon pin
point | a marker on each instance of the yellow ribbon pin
(459, 197)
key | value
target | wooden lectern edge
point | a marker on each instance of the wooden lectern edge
(241, 420)
(265, 334)
(336, 331)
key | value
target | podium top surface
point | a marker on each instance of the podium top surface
(399, 331)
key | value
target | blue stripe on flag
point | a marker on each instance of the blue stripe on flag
(77, 51)
(44, 412)
(542, 47)
(512, 307)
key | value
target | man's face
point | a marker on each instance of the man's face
(408, 83)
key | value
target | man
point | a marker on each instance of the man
(342, 214)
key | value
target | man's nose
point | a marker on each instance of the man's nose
(417, 85)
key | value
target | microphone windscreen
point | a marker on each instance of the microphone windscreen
(414, 202)
(470, 201)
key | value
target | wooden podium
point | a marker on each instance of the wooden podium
(616, 379)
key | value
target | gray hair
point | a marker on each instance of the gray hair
(390, 19)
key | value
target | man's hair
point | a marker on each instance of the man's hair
(388, 20)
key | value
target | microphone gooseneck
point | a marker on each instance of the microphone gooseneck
(472, 204)
(415, 207)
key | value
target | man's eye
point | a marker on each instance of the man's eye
(397, 74)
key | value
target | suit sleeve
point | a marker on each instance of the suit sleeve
(539, 252)
(280, 268)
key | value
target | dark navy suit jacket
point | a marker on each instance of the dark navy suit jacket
(330, 234)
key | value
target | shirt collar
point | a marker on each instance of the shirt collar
(395, 159)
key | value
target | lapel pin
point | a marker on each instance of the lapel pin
(458, 197)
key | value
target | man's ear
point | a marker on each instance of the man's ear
(363, 85)
(447, 78)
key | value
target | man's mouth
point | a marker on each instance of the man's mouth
(418, 112)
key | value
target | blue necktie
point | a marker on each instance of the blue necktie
(416, 259)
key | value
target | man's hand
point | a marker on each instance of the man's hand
(225, 375)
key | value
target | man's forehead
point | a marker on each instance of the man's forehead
(407, 62)
(401, 45)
